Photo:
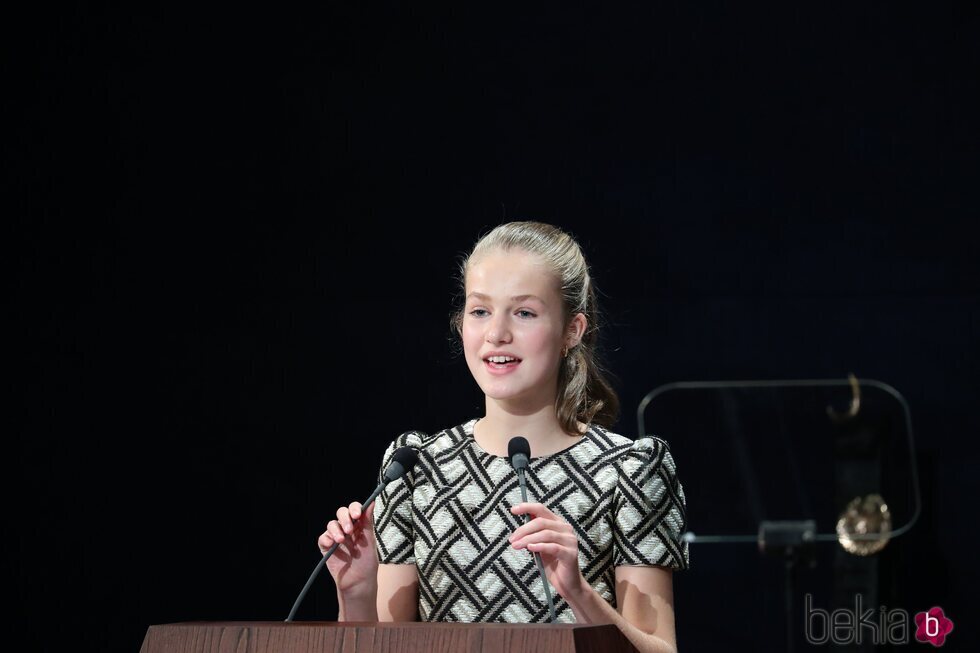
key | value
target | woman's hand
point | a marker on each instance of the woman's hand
(551, 536)
(354, 565)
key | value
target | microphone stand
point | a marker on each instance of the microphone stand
(323, 561)
(537, 556)
(403, 461)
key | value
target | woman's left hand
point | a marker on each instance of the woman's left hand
(551, 536)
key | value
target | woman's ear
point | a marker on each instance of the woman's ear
(576, 329)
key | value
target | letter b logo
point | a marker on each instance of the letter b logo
(933, 626)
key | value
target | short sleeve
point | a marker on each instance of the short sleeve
(393, 524)
(649, 508)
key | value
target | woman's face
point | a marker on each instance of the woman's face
(513, 327)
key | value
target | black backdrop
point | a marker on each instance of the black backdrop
(235, 236)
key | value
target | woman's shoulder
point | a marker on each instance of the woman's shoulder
(649, 448)
(435, 442)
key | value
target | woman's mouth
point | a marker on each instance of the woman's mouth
(501, 364)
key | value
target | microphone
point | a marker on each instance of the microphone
(402, 462)
(519, 454)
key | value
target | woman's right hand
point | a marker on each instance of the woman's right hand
(354, 565)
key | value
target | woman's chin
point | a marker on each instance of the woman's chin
(517, 402)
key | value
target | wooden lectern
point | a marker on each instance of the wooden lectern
(366, 637)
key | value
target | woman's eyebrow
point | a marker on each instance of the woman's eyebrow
(516, 298)
(521, 298)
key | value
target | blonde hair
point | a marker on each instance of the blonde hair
(584, 394)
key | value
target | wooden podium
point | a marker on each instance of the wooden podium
(366, 637)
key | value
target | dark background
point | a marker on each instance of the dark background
(235, 235)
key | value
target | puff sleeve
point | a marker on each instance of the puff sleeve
(393, 521)
(649, 508)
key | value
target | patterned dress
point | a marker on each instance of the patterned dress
(451, 517)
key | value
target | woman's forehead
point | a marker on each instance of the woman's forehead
(509, 274)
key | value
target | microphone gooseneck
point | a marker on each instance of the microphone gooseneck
(402, 462)
(519, 454)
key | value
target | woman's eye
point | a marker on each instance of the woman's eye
(525, 314)
(478, 312)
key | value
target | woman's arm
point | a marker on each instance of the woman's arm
(394, 597)
(645, 596)
(398, 593)
(367, 590)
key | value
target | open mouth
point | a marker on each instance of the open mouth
(501, 362)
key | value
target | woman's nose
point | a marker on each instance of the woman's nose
(498, 330)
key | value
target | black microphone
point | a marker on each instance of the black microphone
(519, 454)
(402, 462)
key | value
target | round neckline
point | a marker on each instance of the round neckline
(468, 430)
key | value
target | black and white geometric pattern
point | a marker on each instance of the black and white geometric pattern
(451, 517)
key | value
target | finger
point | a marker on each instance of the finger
(355, 510)
(334, 530)
(368, 521)
(344, 517)
(324, 542)
(554, 523)
(533, 509)
(532, 526)
(548, 548)
(559, 537)
(548, 535)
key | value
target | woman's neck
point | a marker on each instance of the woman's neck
(540, 426)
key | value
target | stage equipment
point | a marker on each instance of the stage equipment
(774, 463)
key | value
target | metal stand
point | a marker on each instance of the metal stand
(795, 542)
(743, 410)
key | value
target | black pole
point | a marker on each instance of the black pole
(790, 569)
